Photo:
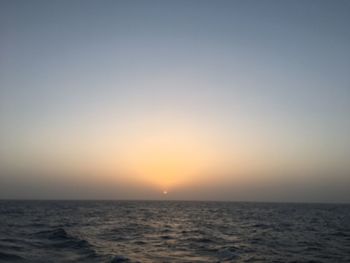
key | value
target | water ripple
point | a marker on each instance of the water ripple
(141, 231)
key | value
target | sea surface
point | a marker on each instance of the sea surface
(172, 231)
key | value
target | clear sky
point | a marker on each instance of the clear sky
(218, 100)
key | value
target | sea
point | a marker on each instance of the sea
(173, 231)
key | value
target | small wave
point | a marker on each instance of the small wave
(202, 240)
(228, 254)
(120, 259)
(139, 242)
(55, 234)
(10, 246)
(166, 237)
(340, 234)
(7, 256)
(262, 226)
(60, 238)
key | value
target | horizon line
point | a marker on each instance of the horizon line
(174, 200)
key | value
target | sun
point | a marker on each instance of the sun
(165, 192)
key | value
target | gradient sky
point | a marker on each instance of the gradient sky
(218, 100)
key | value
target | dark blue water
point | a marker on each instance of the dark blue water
(142, 231)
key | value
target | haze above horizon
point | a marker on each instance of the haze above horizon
(205, 100)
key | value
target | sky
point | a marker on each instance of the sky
(207, 100)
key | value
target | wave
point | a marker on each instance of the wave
(120, 259)
(60, 238)
(228, 254)
(8, 257)
(200, 240)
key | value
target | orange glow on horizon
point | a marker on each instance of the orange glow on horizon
(166, 156)
(163, 155)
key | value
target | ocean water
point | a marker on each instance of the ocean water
(171, 231)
